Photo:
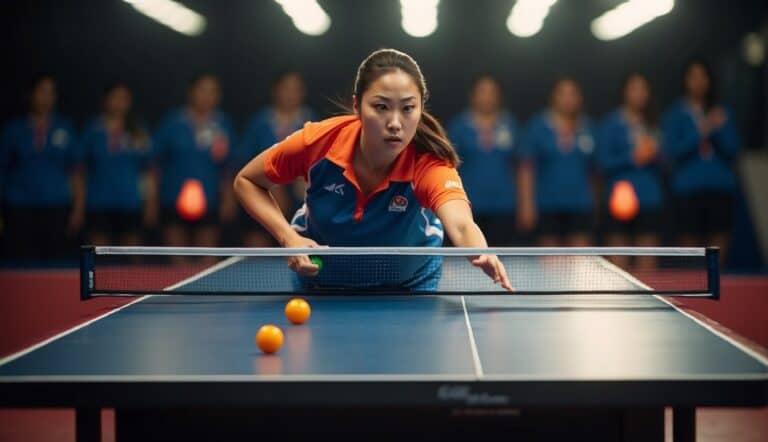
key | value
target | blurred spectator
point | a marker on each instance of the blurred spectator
(700, 140)
(484, 137)
(116, 153)
(628, 144)
(555, 189)
(196, 142)
(273, 123)
(42, 199)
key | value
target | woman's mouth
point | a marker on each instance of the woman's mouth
(392, 141)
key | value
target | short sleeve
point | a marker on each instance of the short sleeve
(437, 183)
(288, 159)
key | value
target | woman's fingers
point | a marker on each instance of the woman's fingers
(303, 266)
(493, 267)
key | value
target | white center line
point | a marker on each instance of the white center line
(472, 344)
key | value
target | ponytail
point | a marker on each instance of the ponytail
(431, 137)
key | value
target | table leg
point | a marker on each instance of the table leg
(88, 425)
(684, 424)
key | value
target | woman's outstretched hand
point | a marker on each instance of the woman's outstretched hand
(493, 267)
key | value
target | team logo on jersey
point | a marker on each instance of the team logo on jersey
(398, 204)
(452, 184)
(59, 138)
(504, 138)
(335, 188)
(586, 143)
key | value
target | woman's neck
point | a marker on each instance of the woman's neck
(40, 116)
(697, 102)
(565, 118)
(369, 163)
(114, 121)
(633, 115)
(200, 115)
(286, 114)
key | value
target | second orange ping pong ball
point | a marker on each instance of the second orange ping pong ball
(297, 310)
(269, 338)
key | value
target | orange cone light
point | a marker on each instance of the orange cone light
(191, 203)
(623, 203)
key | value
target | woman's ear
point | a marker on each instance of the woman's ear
(354, 105)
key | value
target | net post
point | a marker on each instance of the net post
(87, 275)
(713, 272)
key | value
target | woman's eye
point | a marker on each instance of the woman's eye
(380, 106)
(409, 108)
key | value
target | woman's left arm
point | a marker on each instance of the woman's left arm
(456, 217)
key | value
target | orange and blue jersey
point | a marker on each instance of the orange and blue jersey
(699, 164)
(183, 149)
(487, 162)
(399, 212)
(114, 163)
(35, 162)
(562, 171)
(616, 142)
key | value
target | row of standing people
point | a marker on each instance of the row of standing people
(115, 180)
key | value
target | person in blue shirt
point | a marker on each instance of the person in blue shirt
(196, 143)
(701, 142)
(41, 195)
(628, 150)
(484, 137)
(555, 173)
(274, 123)
(116, 154)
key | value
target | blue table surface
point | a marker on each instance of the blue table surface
(493, 337)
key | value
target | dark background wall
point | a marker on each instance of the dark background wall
(89, 43)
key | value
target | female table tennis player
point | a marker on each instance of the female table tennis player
(383, 176)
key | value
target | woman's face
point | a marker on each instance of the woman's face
(637, 93)
(205, 94)
(289, 92)
(696, 81)
(486, 96)
(43, 97)
(566, 98)
(118, 101)
(390, 111)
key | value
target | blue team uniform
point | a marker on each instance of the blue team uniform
(263, 130)
(35, 167)
(114, 164)
(562, 174)
(699, 165)
(184, 150)
(616, 143)
(487, 162)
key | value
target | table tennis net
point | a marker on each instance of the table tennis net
(115, 271)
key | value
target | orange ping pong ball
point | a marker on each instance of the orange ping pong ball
(623, 202)
(269, 338)
(191, 204)
(297, 310)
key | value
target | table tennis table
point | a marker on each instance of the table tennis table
(577, 367)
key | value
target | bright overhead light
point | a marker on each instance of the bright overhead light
(419, 17)
(527, 16)
(307, 15)
(629, 16)
(172, 14)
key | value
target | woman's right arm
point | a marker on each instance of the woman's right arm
(252, 190)
(252, 187)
